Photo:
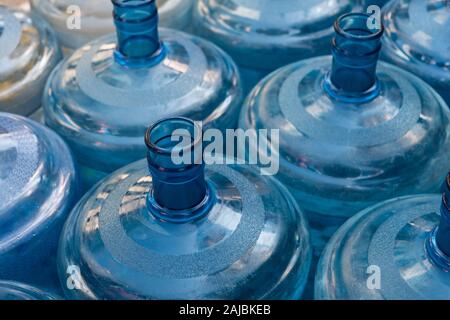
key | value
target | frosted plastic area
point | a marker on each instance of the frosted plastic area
(28, 52)
(339, 158)
(102, 109)
(96, 18)
(417, 39)
(38, 187)
(390, 236)
(254, 229)
(18, 291)
(264, 35)
(17, 4)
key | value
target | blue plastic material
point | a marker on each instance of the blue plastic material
(235, 234)
(38, 188)
(342, 151)
(379, 3)
(389, 251)
(265, 35)
(443, 232)
(78, 22)
(28, 52)
(416, 39)
(10, 290)
(102, 99)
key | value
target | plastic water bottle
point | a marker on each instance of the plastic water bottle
(396, 250)
(78, 22)
(353, 132)
(417, 39)
(103, 97)
(185, 231)
(28, 52)
(38, 187)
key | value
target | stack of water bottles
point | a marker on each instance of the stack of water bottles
(226, 149)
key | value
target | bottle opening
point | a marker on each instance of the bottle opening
(180, 192)
(355, 49)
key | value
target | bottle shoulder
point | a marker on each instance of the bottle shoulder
(381, 254)
(90, 95)
(397, 137)
(10, 290)
(253, 228)
(416, 37)
(252, 31)
(28, 50)
(37, 178)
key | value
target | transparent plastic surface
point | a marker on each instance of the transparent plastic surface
(389, 240)
(416, 39)
(264, 35)
(252, 243)
(10, 290)
(28, 52)
(95, 18)
(16, 4)
(102, 108)
(337, 158)
(38, 188)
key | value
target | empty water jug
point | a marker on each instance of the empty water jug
(396, 250)
(102, 98)
(417, 39)
(351, 134)
(185, 231)
(28, 53)
(38, 187)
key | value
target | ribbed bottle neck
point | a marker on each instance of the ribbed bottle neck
(180, 192)
(138, 43)
(355, 49)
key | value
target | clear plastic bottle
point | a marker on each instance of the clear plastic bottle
(17, 4)
(103, 97)
(417, 39)
(351, 134)
(28, 52)
(263, 35)
(78, 22)
(38, 187)
(186, 231)
(392, 251)
(10, 290)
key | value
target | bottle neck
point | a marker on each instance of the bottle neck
(443, 231)
(355, 49)
(180, 192)
(138, 43)
(438, 243)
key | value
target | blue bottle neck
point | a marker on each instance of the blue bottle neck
(138, 43)
(180, 192)
(443, 231)
(355, 48)
(438, 244)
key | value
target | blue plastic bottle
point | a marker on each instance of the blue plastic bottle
(10, 290)
(185, 231)
(263, 35)
(102, 98)
(351, 134)
(379, 3)
(417, 39)
(78, 22)
(28, 52)
(396, 250)
(38, 187)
